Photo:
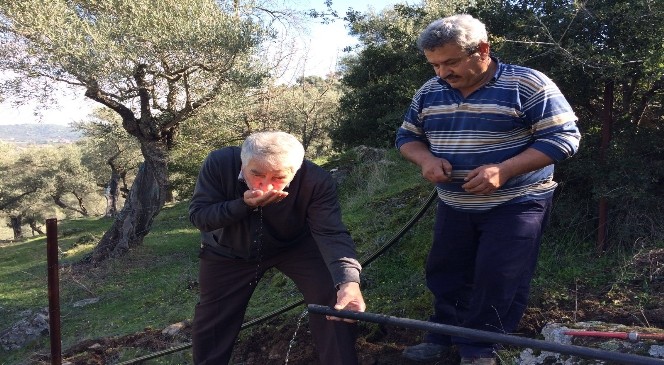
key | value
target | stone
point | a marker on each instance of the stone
(84, 302)
(175, 328)
(25, 330)
(555, 332)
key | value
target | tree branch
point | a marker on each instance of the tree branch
(129, 121)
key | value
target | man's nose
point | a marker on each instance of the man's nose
(265, 185)
(442, 72)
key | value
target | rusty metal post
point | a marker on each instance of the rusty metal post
(605, 143)
(53, 290)
(629, 336)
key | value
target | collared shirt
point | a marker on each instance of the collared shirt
(519, 108)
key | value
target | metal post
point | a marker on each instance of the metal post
(53, 290)
(629, 336)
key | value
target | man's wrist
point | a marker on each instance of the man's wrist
(247, 204)
(346, 284)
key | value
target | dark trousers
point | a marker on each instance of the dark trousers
(480, 267)
(226, 286)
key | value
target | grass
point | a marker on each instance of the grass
(154, 285)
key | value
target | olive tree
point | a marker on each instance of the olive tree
(41, 181)
(110, 154)
(154, 63)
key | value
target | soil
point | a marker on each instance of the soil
(269, 344)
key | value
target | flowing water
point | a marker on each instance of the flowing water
(292, 341)
(259, 244)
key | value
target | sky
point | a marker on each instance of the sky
(325, 47)
(328, 40)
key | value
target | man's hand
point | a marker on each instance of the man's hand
(349, 297)
(488, 178)
(484, 180)
(436, 170)
(259, 198)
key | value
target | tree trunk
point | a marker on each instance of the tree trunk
(35, 228)
(81, 207)
(57, 199)
(112, 193)
(145, 200)
(16, 222)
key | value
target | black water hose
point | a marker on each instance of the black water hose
(365, 261)
(486, 336)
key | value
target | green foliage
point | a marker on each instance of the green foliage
(101, 45)
(305, 109)
(107, 148)
(381, 79)
(40, 182)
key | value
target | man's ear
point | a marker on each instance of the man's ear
(484, 49)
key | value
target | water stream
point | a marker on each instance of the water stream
(292, 341)
(259, 244)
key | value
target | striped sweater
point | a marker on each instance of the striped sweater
(519, 108)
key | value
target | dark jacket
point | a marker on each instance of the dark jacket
(310, 214)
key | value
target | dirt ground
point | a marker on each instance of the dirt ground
(379, 344)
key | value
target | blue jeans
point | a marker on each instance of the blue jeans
(479, 269)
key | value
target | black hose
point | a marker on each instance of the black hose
(403, 230)
(486, 336)
(288, 307)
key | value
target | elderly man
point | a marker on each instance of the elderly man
(261, 207)
(488, 135)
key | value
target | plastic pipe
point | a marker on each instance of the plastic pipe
(486, 336)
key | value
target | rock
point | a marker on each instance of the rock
(554, 332)
(656, 351)
(84, 302)
(26, 330)
(365, 153)
(175, 328)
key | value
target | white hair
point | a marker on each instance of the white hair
(278, 149)
(461, 29)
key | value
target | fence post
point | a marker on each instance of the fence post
(53, 290)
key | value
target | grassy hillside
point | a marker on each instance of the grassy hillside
(155, 285)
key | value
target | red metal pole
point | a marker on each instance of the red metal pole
(631, 336)
(619, 335)
(53, 290)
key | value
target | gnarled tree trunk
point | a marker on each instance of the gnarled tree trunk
(112, 192)
(16, 221)
(146, 198)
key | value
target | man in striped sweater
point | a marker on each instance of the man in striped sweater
(488, 135)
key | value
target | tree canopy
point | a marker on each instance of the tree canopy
(154, 63)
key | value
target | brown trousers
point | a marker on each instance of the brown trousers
(226, 285)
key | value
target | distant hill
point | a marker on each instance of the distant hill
(38, 134)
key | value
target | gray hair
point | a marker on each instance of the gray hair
(461, 29)
(278, 149)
